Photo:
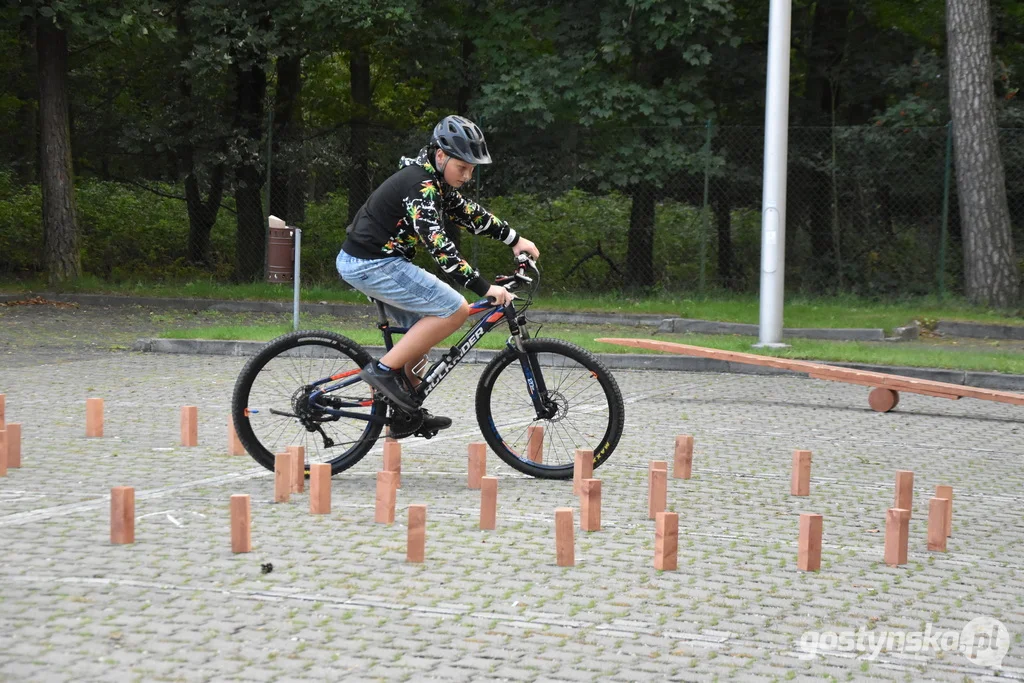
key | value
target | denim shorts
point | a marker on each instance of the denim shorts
(407, 291)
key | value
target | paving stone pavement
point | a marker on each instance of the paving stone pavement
(341, 603)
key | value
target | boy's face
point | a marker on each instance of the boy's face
(456, 172)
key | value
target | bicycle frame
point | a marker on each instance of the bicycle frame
(492, 315)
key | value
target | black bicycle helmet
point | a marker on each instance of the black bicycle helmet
(461, 138)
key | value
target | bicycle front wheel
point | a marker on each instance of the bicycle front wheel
(580, 407)
(271, 407)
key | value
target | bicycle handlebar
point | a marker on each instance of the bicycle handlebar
(519, 277)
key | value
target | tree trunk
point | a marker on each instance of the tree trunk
(825, 52)
(60, 221)
(287, 186)
(466, 82)
(359, 131)
(990, 267)
(28, 95)
(250, 233)
(202, 214)
(640, 250)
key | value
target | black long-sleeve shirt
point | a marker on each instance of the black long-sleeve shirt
(411, 206)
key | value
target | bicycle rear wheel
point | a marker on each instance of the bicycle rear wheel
(582, 401)
(271, 410)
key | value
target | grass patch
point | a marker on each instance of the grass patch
(801, 311)
(983, 356)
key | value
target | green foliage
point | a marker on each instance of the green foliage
(127, 233)
(21, 232)
(323, 233)
(634, 68)
(583, 239)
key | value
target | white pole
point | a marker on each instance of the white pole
(298, 263)
(773, 203)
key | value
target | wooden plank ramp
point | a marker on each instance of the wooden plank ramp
(882, 398)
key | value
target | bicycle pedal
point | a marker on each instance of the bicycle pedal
(427, 435)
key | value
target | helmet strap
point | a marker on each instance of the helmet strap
(447, 158)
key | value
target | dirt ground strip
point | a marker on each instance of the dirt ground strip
(341, 601)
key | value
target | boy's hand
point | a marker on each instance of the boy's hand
(526, 245)
(500, 295)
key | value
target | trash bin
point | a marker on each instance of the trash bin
(280, 253)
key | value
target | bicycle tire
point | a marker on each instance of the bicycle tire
(565, 368)
(282, 368)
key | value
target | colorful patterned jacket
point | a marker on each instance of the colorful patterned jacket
(412, 205)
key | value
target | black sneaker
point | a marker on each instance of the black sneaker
(434, 423)
(390, 384)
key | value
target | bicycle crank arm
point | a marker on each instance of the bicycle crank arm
(338, 414)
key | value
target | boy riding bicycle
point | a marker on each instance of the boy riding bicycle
(376, 258)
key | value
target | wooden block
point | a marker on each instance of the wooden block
(488, 502)
(241, 523)
(938, 515)
(13, 444)
(477, 465)
(298, 456)
(282, 477)
(417, 535)
(387, 492)
(808, 557)
(320, 488)
(3, 452)
(882, 400)
(943, 491)
(800, 481)
(565, 544)
(682, 463)
(122, 515)
(94, 417)
(393, 460)
(3, 411)
(666, 541)
(583, 468)
(189, 426)
(651, 466)
(657, 489)
(535, 443)
(904, 499)
(897, 535)
(590, 505)
(235, 446)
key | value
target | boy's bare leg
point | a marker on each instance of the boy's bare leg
(428, 331)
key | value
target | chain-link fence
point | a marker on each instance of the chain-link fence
(870, 210)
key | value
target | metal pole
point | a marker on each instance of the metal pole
(773, 203)
(266, 202)
(704, 221)
(944, 234)
(298, 269)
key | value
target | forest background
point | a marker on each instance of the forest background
(149, 140)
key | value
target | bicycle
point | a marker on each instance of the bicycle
(303, 388)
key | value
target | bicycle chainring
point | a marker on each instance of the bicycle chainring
(405, 424)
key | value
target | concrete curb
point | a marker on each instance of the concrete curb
(979, 330)
(678, 325)
(619, 361)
